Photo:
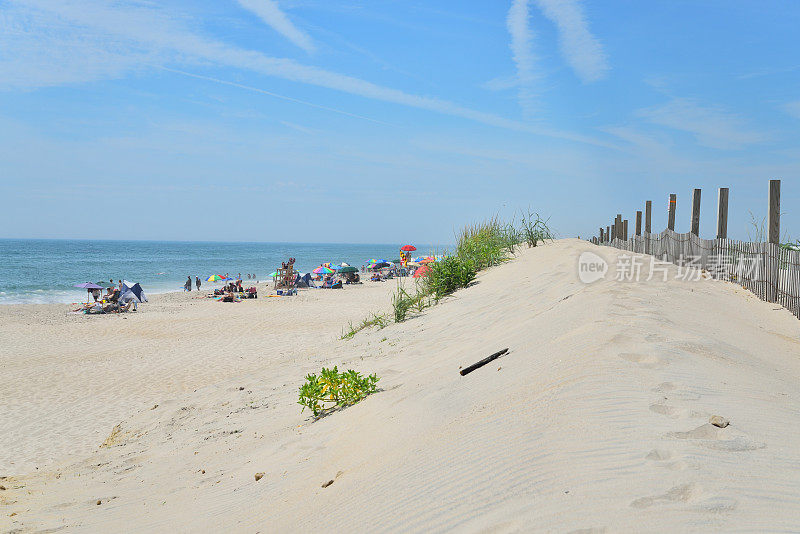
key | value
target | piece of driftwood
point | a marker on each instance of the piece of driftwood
(476, 365)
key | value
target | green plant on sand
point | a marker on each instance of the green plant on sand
(379, 320)
(332, 389)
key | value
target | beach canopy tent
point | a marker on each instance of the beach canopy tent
(304, 281)
(131, 291)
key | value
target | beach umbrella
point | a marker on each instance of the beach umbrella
(408, 248)
(381, 265)
(322, 270)
(422, 271)
(345, 264)
(334, 267)
(273, 274)
(215, 278)
(348, 269)
(88, 286)
(427, 260)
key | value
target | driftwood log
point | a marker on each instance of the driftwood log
(483, 362)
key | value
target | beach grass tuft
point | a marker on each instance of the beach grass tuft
(375, 319)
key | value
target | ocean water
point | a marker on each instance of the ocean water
(43, 271)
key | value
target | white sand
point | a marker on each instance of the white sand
(596, 419)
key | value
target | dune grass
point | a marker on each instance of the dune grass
(478, 246)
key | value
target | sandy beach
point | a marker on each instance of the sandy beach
(596, 420)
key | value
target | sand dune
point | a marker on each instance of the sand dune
(596, 420)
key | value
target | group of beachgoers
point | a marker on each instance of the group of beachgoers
(187, 286)
(108, 302)
(234, 291)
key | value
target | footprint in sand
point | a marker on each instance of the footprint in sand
(659, 455)
(669, 411)
(644, 360)
(663, 387)
(706, 431)
(662, 456)
(681, 493)
(710, 437)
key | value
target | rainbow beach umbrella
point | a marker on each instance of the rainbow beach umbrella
(322, 270)
(215, 278)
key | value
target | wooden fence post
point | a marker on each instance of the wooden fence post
(601, 234)
(671, 217)
(618, 224)
(774, 217)
(638, 223)
(608, 233)
(625, 229)
(695, 226)
(722, 213)
(772, 251)
(648, 208)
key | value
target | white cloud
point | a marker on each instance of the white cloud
(711, 126)
(269, 12)
(793, 108)
(580, 48)
(522, 51)
(73, 41)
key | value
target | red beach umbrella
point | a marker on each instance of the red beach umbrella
(422, 271)
(408, 248)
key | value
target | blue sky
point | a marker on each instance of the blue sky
(389, 121)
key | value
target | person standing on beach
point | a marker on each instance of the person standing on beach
(197, 282)
(188, 285)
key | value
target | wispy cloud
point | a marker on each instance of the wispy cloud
(271, 14)
(580, 48)
(711, 126)
(793, 108)
(103, 39)
(270, 93)
(521, 46)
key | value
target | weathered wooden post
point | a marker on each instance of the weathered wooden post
(648, 210)
(671, 217)
(722, 213)
(618, 224)
(695, 226)
(774, 233)
(638, 223)
(774, 217)
(608, 233)
(625, 229)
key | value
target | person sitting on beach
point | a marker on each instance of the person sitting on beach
(113, 295)
(95, 294)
